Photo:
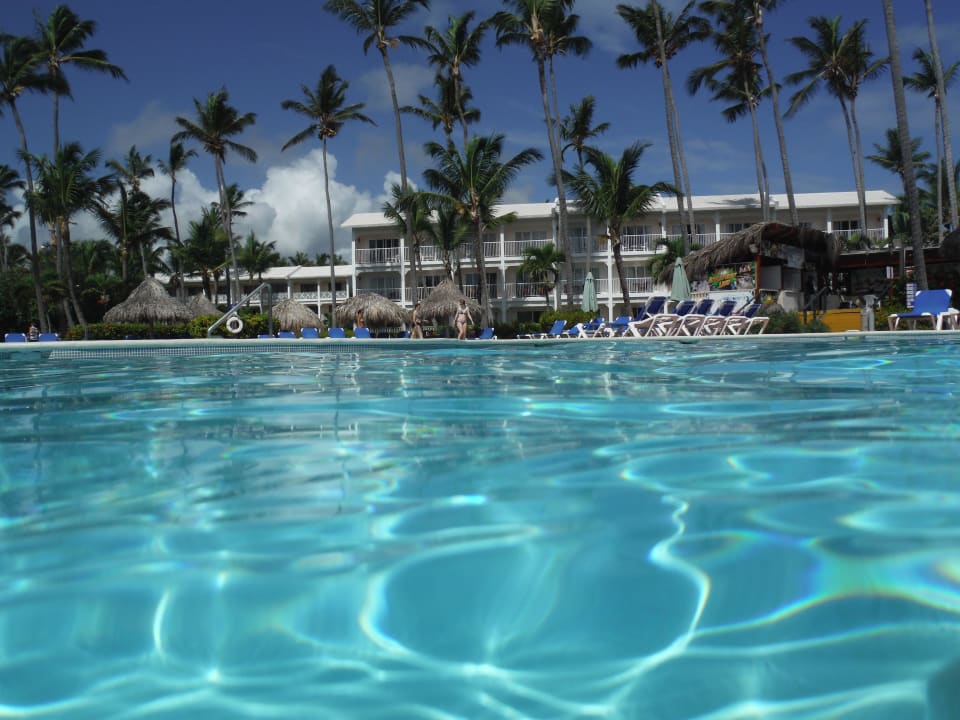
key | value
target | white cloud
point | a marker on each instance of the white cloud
(410, 80)
(152, 127)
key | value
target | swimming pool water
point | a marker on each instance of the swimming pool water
(655, 530)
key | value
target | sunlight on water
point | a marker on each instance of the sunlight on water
(724, 531)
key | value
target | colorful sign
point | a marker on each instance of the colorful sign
(742, 276)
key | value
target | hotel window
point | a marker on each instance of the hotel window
(636, 230)
(735, 227)
(530, 235)
(846, 225)
(698, 229)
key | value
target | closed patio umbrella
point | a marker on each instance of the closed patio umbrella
(378, 311)
(589, 301)
(680, 288)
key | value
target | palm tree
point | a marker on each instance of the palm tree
(890, 156)
(60, 42)
(841, 63)
(540, 263)
(609, 195)
(925, 81)
(661, 37)
(577, 128)
(739, 85)
(447, 109)
(376, 20)
(255, 256)
(127, 175)
(9, 181)
(943, 79)
(474, 182)
(216, 122)
(176, 161)
(903, 128)
(205, 249)
(447, 233)
(65, 188)
(134, 222)
(454, 49)
(21, 72)
(327, 111)
(300, 258)
(410, 209)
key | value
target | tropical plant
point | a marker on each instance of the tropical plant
(841, 63)
(541, 264)
(22, 72)
(447, 109)
(126, 178)
(205, 250)
(326, 108)
(890, 156)
(134, 222)
(217, 121)
(256, 257)
(176, 161)
(300, 258)
(447, 233)
(410, 209)
(473, 182)
(577, 128)
(609, 194)
(9, 181)
(60, 42)
(661, 36)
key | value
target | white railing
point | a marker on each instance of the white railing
(378, 256)
(640, 243)
(516, 248)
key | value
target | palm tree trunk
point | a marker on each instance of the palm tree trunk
(761, 166)
(326, 193)
(861, 186)
(178, 270)
(482, 269)
(557, 162)
(34, 248)
(903, 127)
(777, 116)
(68, 271)
(225, 212)
(944, 115)
(621, 272)
(686, 189)
(853, 157)
(937, 133)
(463, 117)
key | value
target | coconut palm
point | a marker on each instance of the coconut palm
(61, 39)
(326, 108)
(661, 36)
(451, 50)
(447, 233)
(9, 181)
(903, 128)
(134, 222)
(943, 79)
(577, 128)
(217, 121)
(841, 63)
(64, 189)
(255, 256)
(410, 209)
(447, 109)
(300, 258)
(890, 156)
(609, 194)
(376, 21)
(127, 175)
(926, 81)
(176, 161)
(735, 78)
(474, 182)
(541, 264)
(20, 72)
(205, 249)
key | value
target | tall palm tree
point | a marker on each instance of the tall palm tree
(740, 84)
(410, 209)
(609, 194)
(447, 109)
(925, 80)
(326, 108)
(127, 174)
(256, 256)
(447, 233)
(890, 156)
(22, 72)
(61, 39)
(841, 63)
(542, 263)
(300, 258)
(661, 37)
(474, 182)
(217, 121)
(376, 21)
(205, 249)
(577, 128)
(942, 82)
(176, 161)
(451, 50)
(65, 188)
(903, 128)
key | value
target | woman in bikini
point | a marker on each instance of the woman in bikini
(462, 319)
(417, 332)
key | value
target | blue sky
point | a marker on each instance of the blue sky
(262, 52)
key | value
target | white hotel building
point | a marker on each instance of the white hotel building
(381, 256)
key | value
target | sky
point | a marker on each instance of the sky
(263, 52)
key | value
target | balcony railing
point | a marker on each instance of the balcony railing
(378, 256)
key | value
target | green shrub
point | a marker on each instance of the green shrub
(789, 323)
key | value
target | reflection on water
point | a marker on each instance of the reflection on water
(616, 530)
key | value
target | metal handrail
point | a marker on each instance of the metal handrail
(233, 311)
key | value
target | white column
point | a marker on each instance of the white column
(829, 220)
(403, 272)
(610, 270)
(716, 225)
(503, 274)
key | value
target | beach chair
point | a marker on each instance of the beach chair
(932, 305)
(266, 336)
(485, 334)
(336, 333)
(361, 333)
(310, 333)
(49, 337)
(287, 335)
(692, 321)
(14, 337)
(641, 324)
(745, 320)
(554, 332)
(713, 324)
(616, 327)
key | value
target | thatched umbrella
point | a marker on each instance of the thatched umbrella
(149, 303)
(759, 239)
(291, 315)
(378, 311)
(442, 303)
(200, 306)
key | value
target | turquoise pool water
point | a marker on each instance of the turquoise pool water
(650, 530)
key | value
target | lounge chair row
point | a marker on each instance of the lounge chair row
(338, 333)
(21, 337)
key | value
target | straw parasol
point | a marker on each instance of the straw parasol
(442, 303)
(378, 311)
(149, 303)
(291, 315)
(200, 306)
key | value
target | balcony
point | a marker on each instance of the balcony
(382, 257)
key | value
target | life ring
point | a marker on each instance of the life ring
(234, 324)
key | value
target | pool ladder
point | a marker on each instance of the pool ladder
(232, 312)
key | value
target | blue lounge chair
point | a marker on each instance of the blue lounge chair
(554, 332)
(266, 336)
(287, 335)
(310, 333)
(362, 333)
(14, 337)
(336, 333)
(654, 306)
(485, 334)
(932, 305)
(713, 324)
(744, 320)
(694, 319)
(49, 337)
(618, 326)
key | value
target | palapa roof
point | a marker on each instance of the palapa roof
(292, 315)
(149, 303)
(200, 306)
(378, 311)
(442, 303)
(819, 247)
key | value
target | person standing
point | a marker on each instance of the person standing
(417, 332)
(462, 319)
(359, 321)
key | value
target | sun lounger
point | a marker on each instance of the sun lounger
(932, 305)
(618, 326)
(485, 334)
(713, 324)
(310, 333)
(49, 337)
(554, 332)
(745, 320)
(336, 333)
(287, 335)
(639, 326)
(692, 321)
(14, 337)
(361, 333)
